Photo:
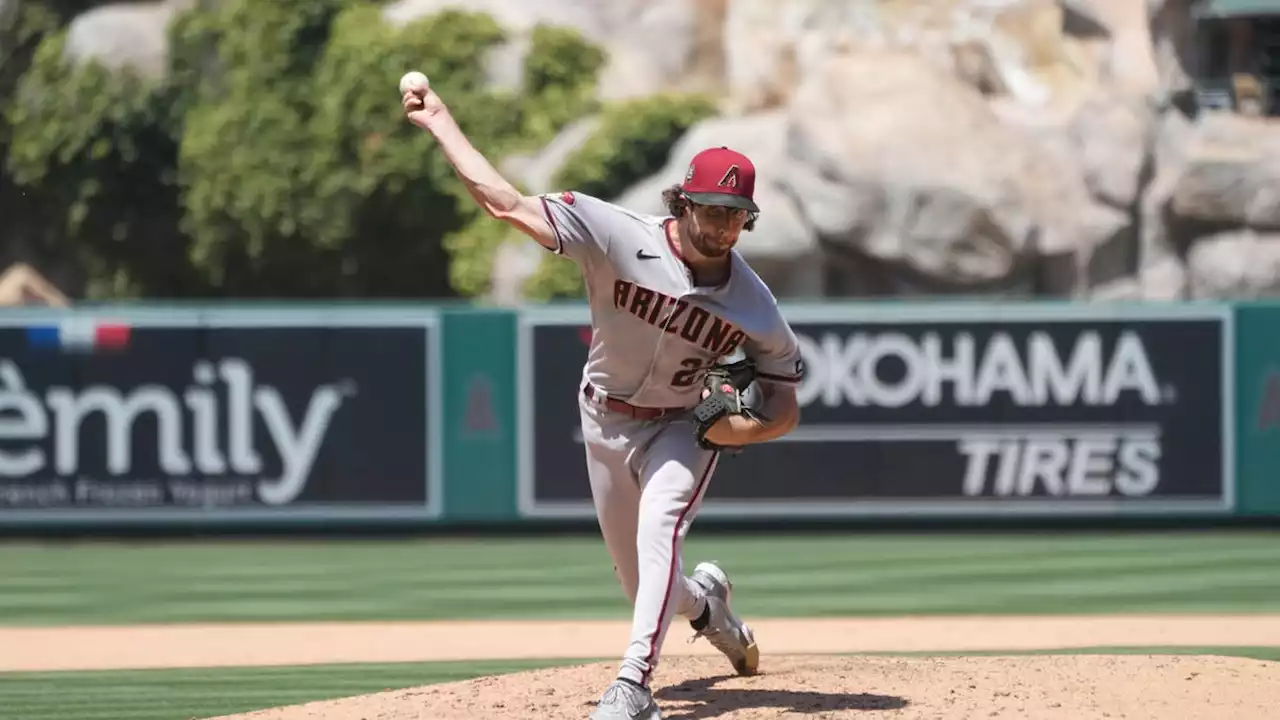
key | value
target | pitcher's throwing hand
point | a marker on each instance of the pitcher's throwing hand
(419, 100)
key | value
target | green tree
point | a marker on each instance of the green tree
(92, 166)
(300, 175)
(300, 171)
(273, 159)
(560, 75)
(633, 141)
(22, 28)
(559, 87)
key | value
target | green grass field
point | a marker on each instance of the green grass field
(815, 575)
(571, 577)
(182, 694)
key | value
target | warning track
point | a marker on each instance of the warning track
(266, 644)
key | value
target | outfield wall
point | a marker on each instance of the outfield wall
(322, 416)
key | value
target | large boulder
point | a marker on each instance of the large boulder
(535, 172)
(516, 16)
(1113, 131)
(1128, 60)
(656, 45)
(1231, 176)
(1024, 49)
(1099, 158)
(1161, 242)
(1081, 240)
(120, 36)
(651, 43)
(899, 162)
(1211, 214)
(514, 261)
(1239, 265)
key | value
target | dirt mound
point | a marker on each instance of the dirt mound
(1074, 687)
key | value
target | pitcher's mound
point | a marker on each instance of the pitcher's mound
(1070, 687)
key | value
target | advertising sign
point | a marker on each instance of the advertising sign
(948, 410)
(217, 416)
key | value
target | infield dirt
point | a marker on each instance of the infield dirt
(1062, 687)
(798, 677)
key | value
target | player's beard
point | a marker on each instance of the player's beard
(707, 247)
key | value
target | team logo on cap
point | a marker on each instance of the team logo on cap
(689, 175)
(731, 177)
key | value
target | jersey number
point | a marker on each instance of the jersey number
(689, 375)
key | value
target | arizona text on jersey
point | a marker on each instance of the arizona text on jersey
(655, 331)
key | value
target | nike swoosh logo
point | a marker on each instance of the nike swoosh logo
(641, 255)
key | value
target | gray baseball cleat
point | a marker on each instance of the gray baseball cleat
(626, 701)
(724, 630)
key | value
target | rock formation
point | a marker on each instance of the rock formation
(994, 147)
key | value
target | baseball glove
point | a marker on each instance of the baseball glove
(723, 386)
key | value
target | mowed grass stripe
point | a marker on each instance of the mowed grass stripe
(199, 693)
(873, 569)
(444, 596)
(278, 560)
(448, 589)
(1121, 596)
(1060, 568)
(566, 577)
(444, 592)
(805, 551)
(1057, 576)
(578, 556)
(1248, 579)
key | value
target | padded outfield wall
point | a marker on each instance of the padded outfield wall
(322, 416)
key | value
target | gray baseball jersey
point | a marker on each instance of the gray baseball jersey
(654, 330)
(654, 334)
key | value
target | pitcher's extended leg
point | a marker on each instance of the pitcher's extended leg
(617, 500)
(674, 475)
(615, 491)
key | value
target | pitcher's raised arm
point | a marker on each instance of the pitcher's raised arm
(498, 197)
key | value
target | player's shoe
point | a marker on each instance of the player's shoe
(724, 630)
(626, 701)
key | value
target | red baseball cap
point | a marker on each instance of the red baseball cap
(720, 176)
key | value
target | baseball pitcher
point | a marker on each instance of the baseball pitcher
(682, 326)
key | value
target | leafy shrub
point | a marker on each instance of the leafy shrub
(274, 159)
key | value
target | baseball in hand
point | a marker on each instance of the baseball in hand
(413, 80)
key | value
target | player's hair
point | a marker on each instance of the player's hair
(673, 197)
